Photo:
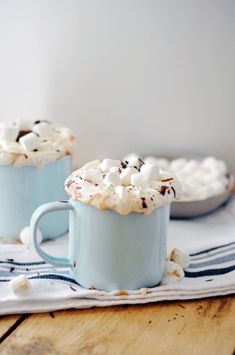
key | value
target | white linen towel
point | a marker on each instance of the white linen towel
(210, 240)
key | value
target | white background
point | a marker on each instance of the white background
(125, 75)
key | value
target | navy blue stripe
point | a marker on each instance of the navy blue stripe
(22, 264)
(54, 277)
(49, 277)
(211, 249)
(209, 272)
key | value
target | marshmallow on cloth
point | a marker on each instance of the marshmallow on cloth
(112, 179)
(29, 142)
(180, 258)
(107, 164)
(8, 132)
(25, 236)
(173, 273)
(19, 285)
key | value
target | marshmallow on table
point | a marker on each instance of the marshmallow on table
(29, 142)
(107, 164)
(25, 236)
(43, 129)
(94, 176)
(180, 258)
(19, 285)
(140, 180)
(112, 179)
(8, 132)
(126, 174)
(173, 273)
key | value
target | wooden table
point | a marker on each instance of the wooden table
(190, 327)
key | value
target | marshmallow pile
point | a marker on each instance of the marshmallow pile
(175, 265)
(124, 186)
(26, 142)
(200, 179)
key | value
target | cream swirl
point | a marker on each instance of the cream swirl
(122, 186)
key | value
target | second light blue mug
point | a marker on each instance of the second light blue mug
(108, 251)
(23, 189)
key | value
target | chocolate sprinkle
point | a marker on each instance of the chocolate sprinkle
(144, 205)
(123, 164)
(35, 150)
(22, 133)
(12, 269)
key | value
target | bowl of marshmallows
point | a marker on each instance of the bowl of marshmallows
(206, 183)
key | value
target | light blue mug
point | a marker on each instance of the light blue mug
(108, 251)
(23, 189)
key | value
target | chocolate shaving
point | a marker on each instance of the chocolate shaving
(163, 190)
(22, 133)
(168, 179)
(123, 164)
(144, 205)
(141, 161)
(172, 188)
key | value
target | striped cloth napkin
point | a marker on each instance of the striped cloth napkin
(210, 240)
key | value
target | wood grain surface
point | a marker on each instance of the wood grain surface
(191, 327)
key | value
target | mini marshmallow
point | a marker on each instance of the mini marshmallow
(135, 162)
(173, 273)
(24, 124)
(8, 133)
(122, 193)
(12, 147)
(160, 162)
(25, 236)
(43, 129)
(115, 169)
(93, 175)
(190, 167)
(130, 157)
(180, 258)
(125, 175)
(107, 164)
(29, 142)
(178, 164)
(19, 285)
(151, 170)
(91, 165)
(140, 180)
(112, 179)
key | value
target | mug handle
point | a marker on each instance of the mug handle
(37, 215)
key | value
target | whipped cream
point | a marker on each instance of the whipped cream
(200, 178)
(34, 143)
(123, 186)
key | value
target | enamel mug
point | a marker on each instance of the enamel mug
(23, 189)
(108, 251)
